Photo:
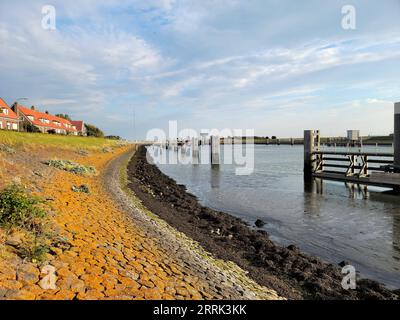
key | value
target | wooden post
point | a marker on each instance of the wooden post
(214, 149)
(317, 140)
(309, 141)
(366, 165)
(396, 135)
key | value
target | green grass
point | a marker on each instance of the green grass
(70, 166)
(24, 140)
(19, 209)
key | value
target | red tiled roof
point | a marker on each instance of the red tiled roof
(41, 115)
(78, 125)
(11, 114)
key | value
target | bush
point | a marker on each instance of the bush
(51, 131)
(81, 189)
(18, 209)
(93, 131)
(70, 166)
(113, 137)
(7, 149)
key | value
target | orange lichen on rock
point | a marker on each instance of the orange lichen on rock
(104, 255)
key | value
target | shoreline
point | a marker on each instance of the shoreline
(212, 278)
(103, 244)
(288, 271)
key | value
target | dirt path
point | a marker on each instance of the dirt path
(114, 249)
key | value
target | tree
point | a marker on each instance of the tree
(29, 127)
(63, 116)
(93, 131)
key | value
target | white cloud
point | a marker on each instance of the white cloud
(217, 61)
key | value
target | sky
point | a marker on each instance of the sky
(278, 67)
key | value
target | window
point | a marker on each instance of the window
(15, 126)
(31, 118)
(1, 124)
(8, 126)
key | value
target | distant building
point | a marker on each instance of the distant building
(353, 135)
(44, 121)
(8, 119)
(80, 127)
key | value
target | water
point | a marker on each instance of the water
(327, 219)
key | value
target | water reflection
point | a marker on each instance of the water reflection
(357, 191)
(215, 176)
(333, 220)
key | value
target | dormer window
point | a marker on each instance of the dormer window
(5, 111)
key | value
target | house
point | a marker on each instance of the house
(80, 126)
(8, 119)
(44, 121)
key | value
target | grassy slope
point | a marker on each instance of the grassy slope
(36, 140)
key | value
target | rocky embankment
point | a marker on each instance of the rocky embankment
(289, 271)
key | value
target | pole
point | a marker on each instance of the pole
(309, 141)
(396, 135)
(214, 149)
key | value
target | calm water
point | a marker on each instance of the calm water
(327, 219)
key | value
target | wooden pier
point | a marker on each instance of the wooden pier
(363, 168)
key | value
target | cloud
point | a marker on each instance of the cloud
(274, 66)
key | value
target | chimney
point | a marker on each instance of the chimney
(46, 112)
(14, 107)
(33, 108)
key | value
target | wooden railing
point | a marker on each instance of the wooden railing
(354, 163)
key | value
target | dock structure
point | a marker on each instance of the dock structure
(363, 168)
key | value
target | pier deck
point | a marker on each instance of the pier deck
(364, 168)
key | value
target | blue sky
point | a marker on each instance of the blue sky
(278, 67)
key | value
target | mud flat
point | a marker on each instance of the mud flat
(292, 273)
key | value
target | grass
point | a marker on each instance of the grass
(23, 140)
(70, 166)
(21, 211)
